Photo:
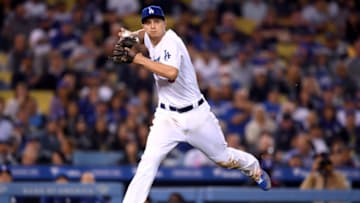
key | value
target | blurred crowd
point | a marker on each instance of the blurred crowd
(285, 107)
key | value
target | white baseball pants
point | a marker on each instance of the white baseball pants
(200, 128)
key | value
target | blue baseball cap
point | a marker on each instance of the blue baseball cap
(152, 11)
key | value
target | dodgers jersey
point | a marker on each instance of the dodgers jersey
(172, 51)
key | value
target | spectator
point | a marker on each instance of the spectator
(176, 198)
(117, 111)
(318, 140)
(101, 134)
(67, 148)
(6, 125)
(102, 61)
(132, 155)
(272, 104)
(206, 64)
(54, 72)
(65, 40)
(50, 138)
(16, 24)
(239, 114)
(260, 85)
(345, 85)
(36, 118)
(71, 117)
(319, 13)
(122, 137)
(329, 123)
(335, 46)
(142, 134)
(87, 178)
(31, 153)
(352, 26)
(84, 56)
(354, 63)
(227, 43)
(229, 6)
(82, 138)
(17, 53)
(301, 153)
(323, 176)
(218, 104)
(21, 95)
(350, 131)
(35, 9)
(343, 156)
(60, 100)
(265, 144)
(254, 10)
(347, 109)
(240, 70)
(26, 73)
(57, 158)
(288, 128)
(5, 174)
(123, 8)
(233, 140)
(6, 156)
(259, 122)
(202, 6)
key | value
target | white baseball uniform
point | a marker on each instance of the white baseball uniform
(183, 115)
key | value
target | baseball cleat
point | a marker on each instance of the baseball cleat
(264, 181)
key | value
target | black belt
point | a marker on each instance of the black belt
(183, 109)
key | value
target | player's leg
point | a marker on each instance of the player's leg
(209, 138)
(163, 137)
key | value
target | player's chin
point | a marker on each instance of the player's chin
(155, 34)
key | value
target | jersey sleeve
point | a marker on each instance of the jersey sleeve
(171, 53)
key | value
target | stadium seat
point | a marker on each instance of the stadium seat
(246, 26)
(96, 158)
(43, 98)
(6, 94)
(5, 77)
(132, 22)
(286, 50)
(3, 59)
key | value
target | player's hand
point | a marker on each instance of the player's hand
(122, 52)
(123, 33)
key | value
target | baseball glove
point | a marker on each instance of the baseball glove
(126, 49)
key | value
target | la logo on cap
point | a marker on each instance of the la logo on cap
(151, 11)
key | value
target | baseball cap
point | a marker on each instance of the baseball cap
(152, 11)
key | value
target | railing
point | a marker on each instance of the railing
(112, 190)
(165, 174)
(191, 194)
(239, 194)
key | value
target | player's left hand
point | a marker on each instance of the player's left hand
(125, 50)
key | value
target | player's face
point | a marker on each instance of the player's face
(155, 27)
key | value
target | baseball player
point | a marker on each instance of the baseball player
(183, 114)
